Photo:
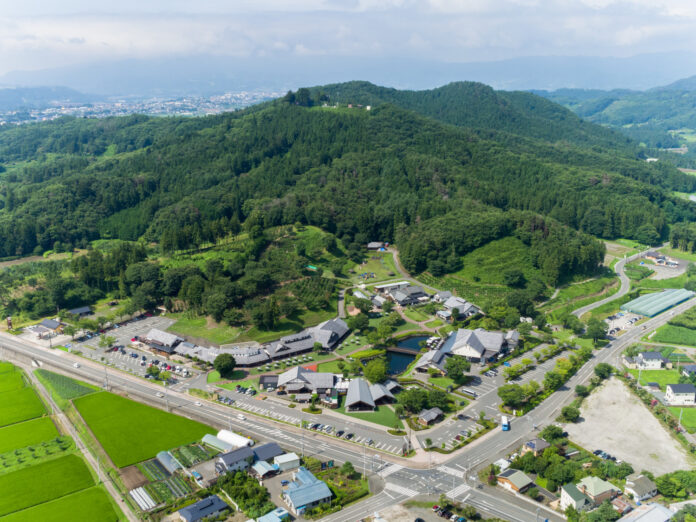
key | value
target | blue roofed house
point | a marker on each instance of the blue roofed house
(688, 370)
(305, 492)
(277, 515)
(211, 506)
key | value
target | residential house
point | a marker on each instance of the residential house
(161, 341)
(680, 394)
(409, 295)
(375, 245)
(442, 296)
(536, 446)
(209, 507)
(462, 307)
(433, 359)
(305, 492)
(82, 311)
(514, 480)
(688, 370)
(428, 417)
(597, 490)
(235, 460)
(479, 345)
(267, 451)
(572, 496)
(277, 515)
(378, 301)
(641, 487)
(648, 513)
(302, 380)
(650, 360)
(287, 461)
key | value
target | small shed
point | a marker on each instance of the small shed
(287, 461)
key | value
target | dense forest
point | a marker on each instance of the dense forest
(358, 174)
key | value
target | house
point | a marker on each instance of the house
(572, 496)
(428, 417)
(305, 492)
(267, 382)
(301, 380)
(386, 288)
(359, 397)
(263, 469)
(287, 461)
(409, 295)
(277, 515)
(375, 245)
(680, 394)
(688, 370)
(268, 451)
(648, 513)
(51, 324)
(479, 345)
(235, 460)
(433, 359)
(641, 487)
(514, 480)
(82, 311)
(161, 341)
(209, 507)
(460, 307)
(650, 360)
(442, 296)
(378, 301)
(168, 462)
(597, 490)
(328, 334)
(536, 446)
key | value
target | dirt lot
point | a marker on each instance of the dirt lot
(617, 422)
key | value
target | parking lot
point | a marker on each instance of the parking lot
(448, 431)
(621, 321)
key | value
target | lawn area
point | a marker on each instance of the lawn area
(442, 382)
(688, 417)
(661, 377)
(330, 366)
(131, 432)
(675, 335)
(214, 376)
(679, 254)
(200, 327)
(43, 482)
(382, 415)
(249, 383)
(434, 323)
(565, 336)
(19, 405)
(27, 433)
(415, 314)
(379, 263)
(11, 381)
(89, 504)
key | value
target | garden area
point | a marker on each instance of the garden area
(378, 266)
(131, 432)
(62, 388)
(661, 377)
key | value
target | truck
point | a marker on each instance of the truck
(504, 423)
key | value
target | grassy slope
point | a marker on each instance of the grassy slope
(131, 432)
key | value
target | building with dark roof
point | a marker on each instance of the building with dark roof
(211, 506)
(427, 417)
(650, 360)
(302, 380)
(536, 446)
(328, 334)
(51, 324)
(161, 341)
(236, 460)
(688, 370)
(267, 451)
(82, 311)
(268, 381)
(408, 296)
(680, 394)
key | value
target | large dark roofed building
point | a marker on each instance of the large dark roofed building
(162, 341)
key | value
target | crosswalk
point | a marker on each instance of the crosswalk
(451, 471)
(391, 468)
(459, 490)
(401, 490)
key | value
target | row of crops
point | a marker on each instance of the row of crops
(190, 455)
(167, 490)
(65, 387)
(153, 470)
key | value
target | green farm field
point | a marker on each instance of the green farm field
(26, 433)
(43, 482)
(675, 335)
(19, 405)
(89, 504)
(661, 377)
(131, 432)
(11, 381)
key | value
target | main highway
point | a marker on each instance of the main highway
(397, 478)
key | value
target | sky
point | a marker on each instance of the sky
(39, 34)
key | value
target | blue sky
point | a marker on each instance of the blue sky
(40, 34)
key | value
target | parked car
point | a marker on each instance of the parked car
(284, 482)
(340, 433)
(436, 507)
(349, 436)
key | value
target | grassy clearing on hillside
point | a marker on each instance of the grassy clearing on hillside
(379, 263)
(202, 328)
(26, 434)
(675, 335)
(679, 254)
(89, 504)
(488, 264)
(479, 293)
(574, 296)
(19, 405)
(131, 432)
(415, 315)
(661, 377)
(43, 482)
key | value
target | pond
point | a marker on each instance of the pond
(398, 362)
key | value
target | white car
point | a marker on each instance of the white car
(198, 403)
(160, 394)
(76, 365)
(241, 417)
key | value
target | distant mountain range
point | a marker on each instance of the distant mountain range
(18, 98)
(204, 75)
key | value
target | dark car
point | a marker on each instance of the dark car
(340, 433)
(349, 436)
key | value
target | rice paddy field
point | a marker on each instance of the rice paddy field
(26, 433)
(89, 504)
(132, 432)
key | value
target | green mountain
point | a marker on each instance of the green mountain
(441, 172)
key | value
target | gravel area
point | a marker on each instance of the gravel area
(617, 422)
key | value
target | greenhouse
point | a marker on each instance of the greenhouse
(650, 305)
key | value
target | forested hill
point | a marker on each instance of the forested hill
(359, 174)
(478, 106)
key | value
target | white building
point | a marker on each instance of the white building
(287, 461)
(680, 395)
